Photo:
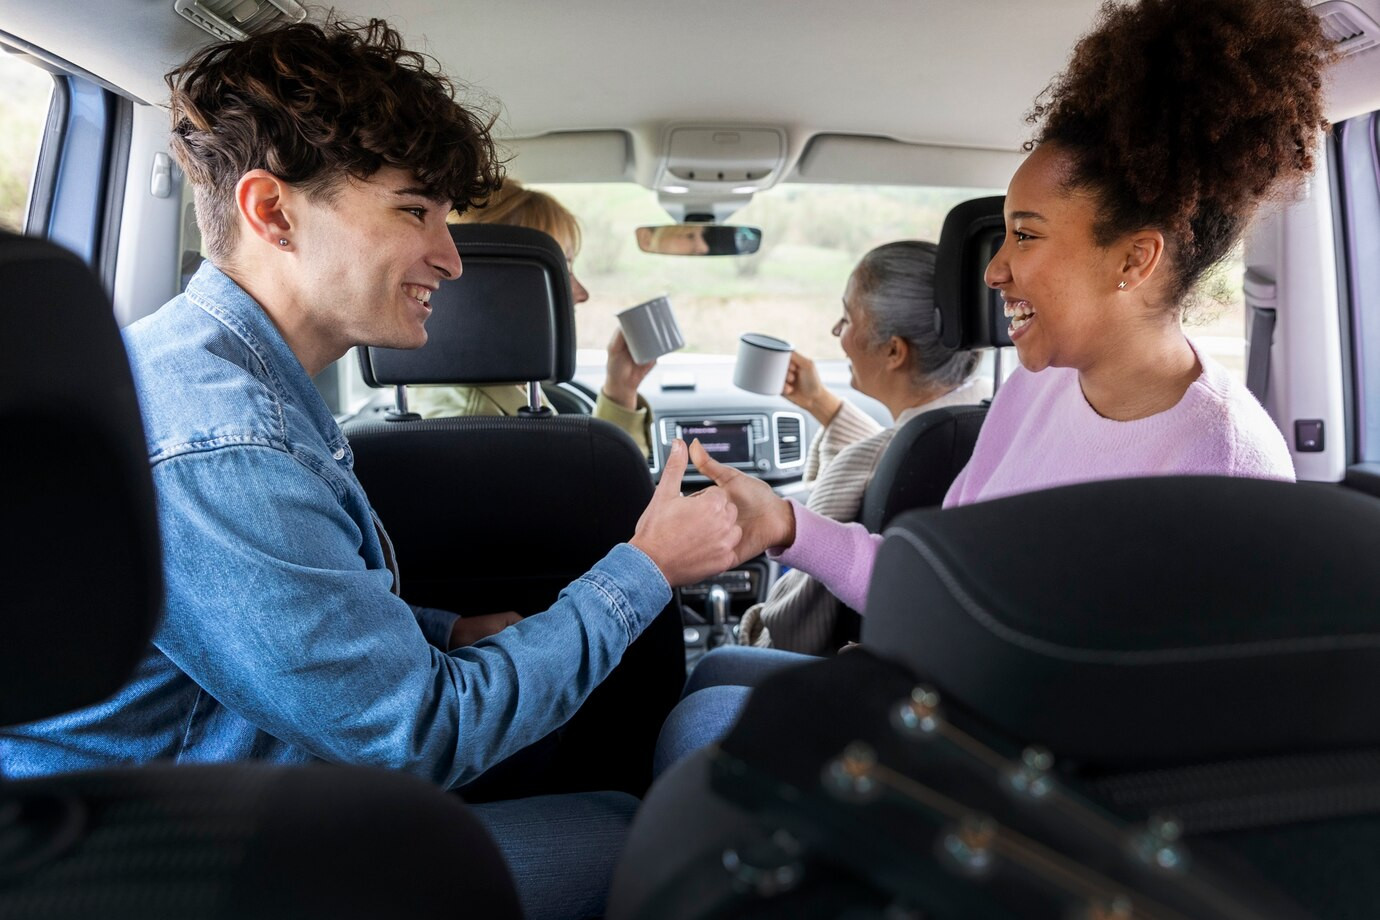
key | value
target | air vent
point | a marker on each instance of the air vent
(1350, 29)
(789, 449)
(236, 20)
(759, 428)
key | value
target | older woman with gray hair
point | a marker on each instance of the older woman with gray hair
(895, 355)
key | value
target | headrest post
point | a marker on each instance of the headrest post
(399, 411)
(996, 370)
(534, 406)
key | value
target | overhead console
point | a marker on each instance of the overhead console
(712, 170)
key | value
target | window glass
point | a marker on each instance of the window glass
(191, 250)
(812, 236)
(1216, 318)
(23, 112)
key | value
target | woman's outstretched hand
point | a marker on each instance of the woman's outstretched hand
(766, 519)
(806, 390)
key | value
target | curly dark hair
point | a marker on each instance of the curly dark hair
(313, 103)
(1184, 115)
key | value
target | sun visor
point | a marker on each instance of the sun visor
(843, 158)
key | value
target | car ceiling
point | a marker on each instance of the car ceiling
(935, 72)
(915, 71)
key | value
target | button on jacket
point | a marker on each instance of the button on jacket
(282, 639)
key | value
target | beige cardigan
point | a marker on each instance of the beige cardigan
(799, 613)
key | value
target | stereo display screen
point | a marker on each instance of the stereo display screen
(727, 442)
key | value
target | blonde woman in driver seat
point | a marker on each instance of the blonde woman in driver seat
(618, 401)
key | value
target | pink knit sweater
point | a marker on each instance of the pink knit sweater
(1041, 433)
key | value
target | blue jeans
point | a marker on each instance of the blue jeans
(561, 849)
(714, 696)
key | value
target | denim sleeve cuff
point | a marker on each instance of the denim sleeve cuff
(436, 625)
(632, 585)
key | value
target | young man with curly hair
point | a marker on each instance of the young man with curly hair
(325, 160)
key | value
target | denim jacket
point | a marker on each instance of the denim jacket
(282, 639)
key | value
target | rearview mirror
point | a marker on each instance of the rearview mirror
(699, 240)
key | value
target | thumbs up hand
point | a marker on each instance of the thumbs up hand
(764, 518)
(689, 538)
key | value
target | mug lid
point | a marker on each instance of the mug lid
(766, 341)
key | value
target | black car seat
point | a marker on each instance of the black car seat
(920, 463)
(82, 569)
(927, 453)
(1192, 657)
(500, 513)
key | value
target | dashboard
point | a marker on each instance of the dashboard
(693, 396)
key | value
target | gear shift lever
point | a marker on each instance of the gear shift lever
(716, 603)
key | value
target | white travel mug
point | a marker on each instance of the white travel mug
(762, 363)
(650, 330)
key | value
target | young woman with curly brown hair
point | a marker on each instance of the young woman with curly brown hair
(1174, 121)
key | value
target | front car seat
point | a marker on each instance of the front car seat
(82, 570)
(928, 452)
(923, 458)
(500, 513)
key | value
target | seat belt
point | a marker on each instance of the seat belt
(1260, 302)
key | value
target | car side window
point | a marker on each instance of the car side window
(1358, 154)
(1216, 318)
(23, 112)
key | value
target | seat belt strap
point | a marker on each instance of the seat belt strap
(1261, 338)
(1261, 298)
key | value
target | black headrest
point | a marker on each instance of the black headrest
(508, 318)
(81, 566)
(921, 462)
(1137, 622)
(970, 314)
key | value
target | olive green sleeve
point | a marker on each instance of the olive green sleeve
(636, 422)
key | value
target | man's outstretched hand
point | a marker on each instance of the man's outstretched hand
(689, 538)
(764, 518)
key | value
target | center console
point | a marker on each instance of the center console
(769, 444)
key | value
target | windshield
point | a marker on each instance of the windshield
(812, 236)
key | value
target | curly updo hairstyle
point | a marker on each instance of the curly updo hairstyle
(1184, 115)
(312, 104)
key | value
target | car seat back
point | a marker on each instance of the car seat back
(500, 513)
(82, 570)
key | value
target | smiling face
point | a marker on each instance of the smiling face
(1059, 285)
(368, 261)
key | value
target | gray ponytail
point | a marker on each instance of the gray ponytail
(895, 283)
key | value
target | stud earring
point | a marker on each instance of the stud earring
(1121, 285)
(282, 241)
